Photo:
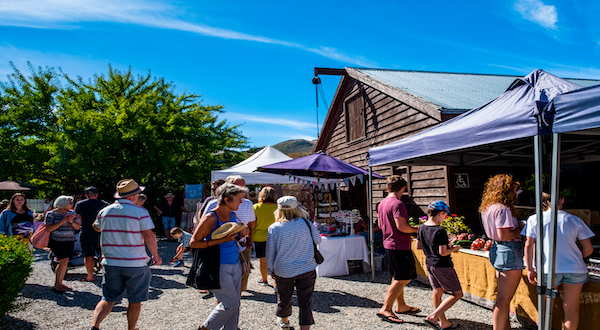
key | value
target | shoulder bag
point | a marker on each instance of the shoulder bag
(204, 273)
(41, 237)
(318, 256)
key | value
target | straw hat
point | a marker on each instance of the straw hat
(128, 187)
(169, 195)
(227, 229)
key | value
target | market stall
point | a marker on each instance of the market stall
(338, 250)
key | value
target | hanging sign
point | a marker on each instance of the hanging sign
(461, 180)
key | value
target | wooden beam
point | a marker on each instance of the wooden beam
(330, 72)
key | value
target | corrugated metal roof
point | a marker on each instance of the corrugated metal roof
(452, 90)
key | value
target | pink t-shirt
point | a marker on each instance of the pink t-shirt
(388, 209)
(498, 216)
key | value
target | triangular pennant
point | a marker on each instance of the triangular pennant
(346, 181)
(353, 180)
(361, 178)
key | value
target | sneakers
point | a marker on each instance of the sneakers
(283, 325)
(179, 263)
(263, 283)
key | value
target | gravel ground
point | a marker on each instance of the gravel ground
(347, 302)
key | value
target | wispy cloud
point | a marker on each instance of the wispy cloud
(538, 12)
(295, 124)
(65, 14)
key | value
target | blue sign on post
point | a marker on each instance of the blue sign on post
(194, 190)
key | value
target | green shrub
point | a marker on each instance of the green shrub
(15, 267)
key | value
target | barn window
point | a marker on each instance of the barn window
(355, 118)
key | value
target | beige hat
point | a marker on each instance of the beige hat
(128, 187)
(227, 229)
(169, 195)
(287, 203)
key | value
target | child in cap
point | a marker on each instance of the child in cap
(433, 240)
(184, 240)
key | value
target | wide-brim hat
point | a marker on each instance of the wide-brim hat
(227, 229)
(169, 195)
(128, 187)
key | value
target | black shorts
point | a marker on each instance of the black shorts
(259, 249)
(91, 248)
(61, 249)
(401, 264)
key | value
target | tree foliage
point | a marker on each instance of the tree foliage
(111, 127)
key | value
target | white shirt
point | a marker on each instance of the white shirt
(244, 213)
(569, 229)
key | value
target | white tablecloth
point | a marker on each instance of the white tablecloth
(337, 251)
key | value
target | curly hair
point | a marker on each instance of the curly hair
(499, 189)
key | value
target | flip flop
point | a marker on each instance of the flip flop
(431, 324)
(86, 280)
(412, 310)
(453, 326)
(390, 318)
(58, 290)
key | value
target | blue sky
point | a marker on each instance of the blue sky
(256, 58)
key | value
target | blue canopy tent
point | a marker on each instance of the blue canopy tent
(505, 131)
(576, 128)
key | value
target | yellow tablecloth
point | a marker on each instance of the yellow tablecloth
(478, 280)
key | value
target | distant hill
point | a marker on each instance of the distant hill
(296, 148)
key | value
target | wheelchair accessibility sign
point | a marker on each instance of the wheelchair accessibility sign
(461, 180)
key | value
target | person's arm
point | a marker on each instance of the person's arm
(586, 247)
(529, 252)
(419, 245)
(251, 226)
(158, 210)
(150, 240)
(506, 234)
(445, 250)
(53, 227)
(203, 230)
(76, 222)
(403, 226)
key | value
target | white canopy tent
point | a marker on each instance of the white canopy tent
(266, 156)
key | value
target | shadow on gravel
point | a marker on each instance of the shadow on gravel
(81, 299)
(11, 323)
(262, 297)
(325, 302)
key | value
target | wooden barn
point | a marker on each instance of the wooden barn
(373, 107)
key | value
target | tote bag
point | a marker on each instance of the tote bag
(40, 238)
(204, 273)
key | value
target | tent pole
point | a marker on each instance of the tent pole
(551, 257)
(539, 254)
(371, 238)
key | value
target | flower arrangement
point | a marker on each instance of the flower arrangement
(417, 223)
(456, 225)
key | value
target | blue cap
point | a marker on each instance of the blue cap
(439, 205)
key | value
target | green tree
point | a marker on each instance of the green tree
(114, 126)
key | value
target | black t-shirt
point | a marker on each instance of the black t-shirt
(88, 209)
(431, 238)
(169, 210)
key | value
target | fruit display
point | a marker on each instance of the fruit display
(478, 244)
(488, 245)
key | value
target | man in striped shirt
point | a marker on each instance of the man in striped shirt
(124, 228)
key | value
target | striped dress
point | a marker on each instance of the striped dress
(121, 239)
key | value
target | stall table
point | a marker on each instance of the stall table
(338, 250)
(478, 280)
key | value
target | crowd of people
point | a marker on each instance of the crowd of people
(283, 238)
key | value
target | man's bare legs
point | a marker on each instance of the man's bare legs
(89, 263)
(101, 311)
(133, 313)
(442, 307)
(394, 293)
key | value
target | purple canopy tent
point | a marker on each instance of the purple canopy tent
(318, 165)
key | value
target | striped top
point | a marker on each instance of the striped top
(289, 249)
(65, 232)
(121, 225)
(185, 239)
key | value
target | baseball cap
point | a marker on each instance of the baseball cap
(287, 203)
(91, 189)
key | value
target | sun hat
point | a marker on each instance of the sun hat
(287, 203)
(169, 195)
(439, 205)
(128, 187)
(5, 202)
(227, 229)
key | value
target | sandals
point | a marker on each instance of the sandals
(412, 310)
(431, 324)
(59, 289)
(390, 318)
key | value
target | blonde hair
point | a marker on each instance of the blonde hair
(287, 215)
(499, 189)
(267, 195)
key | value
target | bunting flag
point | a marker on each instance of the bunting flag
(347, 182)
(361, 178)
(353, 180)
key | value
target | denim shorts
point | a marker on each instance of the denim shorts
(569, 278)
(135, 279)
(168, 222)
(507, 256)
